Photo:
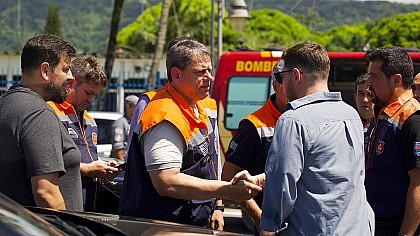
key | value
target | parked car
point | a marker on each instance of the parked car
(110, 190)
(16, 220)
(104, 120)
(125, 225)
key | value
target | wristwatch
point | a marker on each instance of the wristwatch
(220, 208)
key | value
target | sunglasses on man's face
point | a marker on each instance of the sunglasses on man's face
(278, 76)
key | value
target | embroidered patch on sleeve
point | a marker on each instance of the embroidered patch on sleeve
(417, 150)
(233, 145)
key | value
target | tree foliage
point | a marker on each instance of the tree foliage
(86, 23)
(346, 38)
(53, 26)
(273, 28)
(402, 30)
(268, 27)
(337, 12)
(141, 34)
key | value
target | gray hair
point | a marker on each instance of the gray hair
(183, 53)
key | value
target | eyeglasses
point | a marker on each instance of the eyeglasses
(278, 77)
(201, 73)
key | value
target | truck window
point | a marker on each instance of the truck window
(245, 95)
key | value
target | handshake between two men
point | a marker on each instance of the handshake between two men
(254, 184)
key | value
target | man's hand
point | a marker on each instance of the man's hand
(243, 190)
(217, 221)
(99, 169)
(244, 175)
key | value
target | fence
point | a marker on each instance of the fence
(130, 76)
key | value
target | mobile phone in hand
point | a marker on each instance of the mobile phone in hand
(121, 166)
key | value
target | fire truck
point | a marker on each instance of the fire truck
(243, 84)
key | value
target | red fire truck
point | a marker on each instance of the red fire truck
(242, 83)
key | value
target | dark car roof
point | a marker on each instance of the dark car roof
(140, 226)
(17, 220)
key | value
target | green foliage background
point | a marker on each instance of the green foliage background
(53, 26)
(340, 25)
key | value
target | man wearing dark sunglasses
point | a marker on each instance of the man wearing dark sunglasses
(315, 166)
(249, 147)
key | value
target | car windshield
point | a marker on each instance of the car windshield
(104, 130)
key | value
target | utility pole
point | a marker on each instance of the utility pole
(212, 35)
(220, 29)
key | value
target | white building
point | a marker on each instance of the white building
(129, 76)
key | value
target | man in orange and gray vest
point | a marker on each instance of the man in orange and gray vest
(90, 79)
(171, 171)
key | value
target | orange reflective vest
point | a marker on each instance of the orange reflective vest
(139, 198)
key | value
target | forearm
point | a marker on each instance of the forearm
(119, 154)
(84, 169)
(46, 191)
(184, 186)
(267, 233)
(98, 169)
(252, 208)
(412, 207)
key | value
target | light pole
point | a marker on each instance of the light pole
(237, 18)
(220, 28)
(238, 15)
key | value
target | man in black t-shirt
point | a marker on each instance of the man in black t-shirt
(393, 150)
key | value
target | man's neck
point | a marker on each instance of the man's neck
(37, 88)
(279, 104)
(400, 96)
(320, 86)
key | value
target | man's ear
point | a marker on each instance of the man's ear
(397, 79)
(296, 73)
(44, 70)
(175, 73)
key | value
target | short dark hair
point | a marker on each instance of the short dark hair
(361, 79)
(183, 53)
(45, 48)
(311, 57)
(86, 69)
(395, 60)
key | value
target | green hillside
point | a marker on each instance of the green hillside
(85, 23)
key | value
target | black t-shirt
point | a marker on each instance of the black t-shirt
(409, 141)
(246, 149)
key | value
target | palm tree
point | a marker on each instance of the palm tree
(112, 46)
(160, 43)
